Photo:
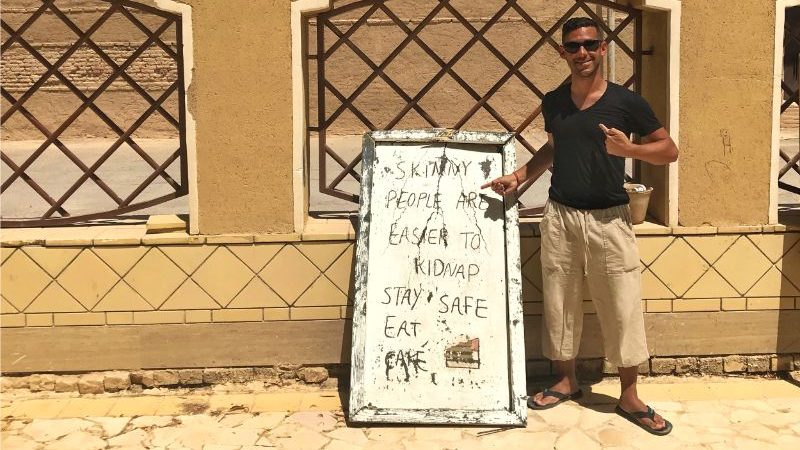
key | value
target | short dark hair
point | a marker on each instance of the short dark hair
(580, 22)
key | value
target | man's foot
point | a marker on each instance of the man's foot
(566, 387)
(560, 398)
(642, 415)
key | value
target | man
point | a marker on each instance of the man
(586, 230)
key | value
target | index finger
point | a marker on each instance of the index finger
(484, 186)
(604, 128)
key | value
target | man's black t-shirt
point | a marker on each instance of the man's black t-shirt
(585, 176)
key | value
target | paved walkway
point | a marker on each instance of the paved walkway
(708, 413)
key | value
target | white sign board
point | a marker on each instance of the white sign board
(437, 321)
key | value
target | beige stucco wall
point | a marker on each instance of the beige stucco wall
(725, 111)
(241, 98)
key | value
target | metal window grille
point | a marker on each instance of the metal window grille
(160, 100)
(374, 79)
(789, 155)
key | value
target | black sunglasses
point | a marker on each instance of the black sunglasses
(590, 45)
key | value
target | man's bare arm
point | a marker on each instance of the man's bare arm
(656, 148)
(541, 161)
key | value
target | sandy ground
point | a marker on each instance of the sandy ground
(706, 413)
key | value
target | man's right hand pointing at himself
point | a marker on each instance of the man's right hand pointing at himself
(617, 143)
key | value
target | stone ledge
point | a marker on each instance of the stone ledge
(165, 223)
(777, 228)
(651, 229)
(10, 320)
(277, 237)
(740, 229)
(230, 239)
(682, 231)
(175, 237)
(316, 230)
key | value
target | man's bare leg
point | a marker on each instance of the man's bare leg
(629, 399)
(567, 382)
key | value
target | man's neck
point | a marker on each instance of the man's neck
(584, 87)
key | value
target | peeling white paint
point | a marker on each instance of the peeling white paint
(437, 321)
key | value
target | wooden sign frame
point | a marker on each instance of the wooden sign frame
(514, 413)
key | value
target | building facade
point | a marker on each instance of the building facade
(262, 275)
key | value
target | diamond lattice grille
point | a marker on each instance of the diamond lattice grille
(446, 64)
(82, 63)
(789, 170)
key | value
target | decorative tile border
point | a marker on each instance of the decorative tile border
(176, 283)
(315, 230)
(700, 273)
(230, 279)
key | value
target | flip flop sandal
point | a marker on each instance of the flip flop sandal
(634, 417)
(561, 399)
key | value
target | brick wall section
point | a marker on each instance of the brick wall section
(153, 69)
(790, 119)
(118, 37)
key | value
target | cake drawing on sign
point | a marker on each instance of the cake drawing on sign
(464, 354)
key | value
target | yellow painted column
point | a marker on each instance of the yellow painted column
(241, 99)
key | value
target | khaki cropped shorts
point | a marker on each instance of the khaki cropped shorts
(597, 246)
